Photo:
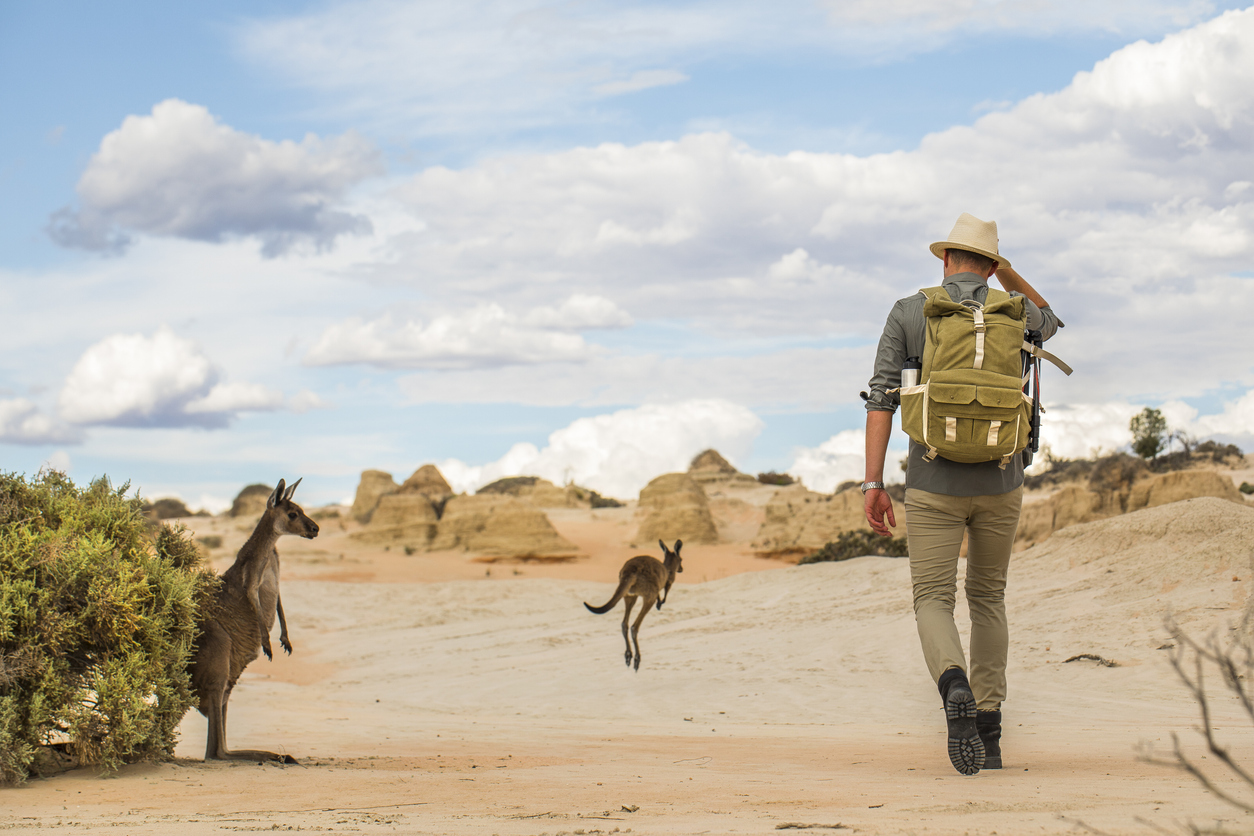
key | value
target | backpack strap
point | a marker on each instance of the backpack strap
(1037, 351)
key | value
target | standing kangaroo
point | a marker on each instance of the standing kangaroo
(241, 620)
(643, 576)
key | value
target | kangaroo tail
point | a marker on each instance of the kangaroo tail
(604, 608)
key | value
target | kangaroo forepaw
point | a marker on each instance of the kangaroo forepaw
(627, 657)
(637, 663)
(287, 645)
(265, 648)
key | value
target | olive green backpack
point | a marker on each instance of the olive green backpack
(970, 405)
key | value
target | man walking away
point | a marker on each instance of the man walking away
(962, 493)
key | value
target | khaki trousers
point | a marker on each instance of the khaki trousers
(934, 527)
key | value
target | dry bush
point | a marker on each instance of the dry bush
(1232, 659)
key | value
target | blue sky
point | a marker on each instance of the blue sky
(587, 240)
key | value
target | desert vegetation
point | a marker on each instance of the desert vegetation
(97, 621)
(1230, 659)
(858, 544)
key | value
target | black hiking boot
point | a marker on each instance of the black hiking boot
(966, 750)
(988, 724)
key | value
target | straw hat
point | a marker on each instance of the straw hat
(974, 235)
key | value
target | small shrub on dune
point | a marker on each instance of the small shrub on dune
(773, 478)
(97, 620)
(858, 544)
(599, 501)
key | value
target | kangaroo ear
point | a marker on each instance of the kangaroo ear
(679, 544)
(277, 496)
(663, 545)
(287, 496)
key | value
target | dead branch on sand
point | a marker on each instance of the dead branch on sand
(1233, 658)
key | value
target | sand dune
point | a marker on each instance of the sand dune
(790, 696)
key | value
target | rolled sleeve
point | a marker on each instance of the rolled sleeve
(889, 357)
(1041, 319)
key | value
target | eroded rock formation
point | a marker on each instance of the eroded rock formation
(675, 508)
(498, 524)
(374, 485)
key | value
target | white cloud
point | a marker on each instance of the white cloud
(211, 503)
(619, 453)
(580, 312)
(492, 65)
(901, 21)
(59, 461)
(689, 228)
(306, 400)
(805, 379)
(842, 458)
(179, 172)
(486, 336)
(1236, 421)
(158, 381)
(1128, 195)
(236, 397)
(1084, 431)
(641, 80)
(22, 422)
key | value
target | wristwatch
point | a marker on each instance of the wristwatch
(870, 486)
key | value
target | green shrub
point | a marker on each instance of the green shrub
(1246, 487)
(858, 544)
(1149, 433)
(97, 620)
(773, 478)
(599, 501)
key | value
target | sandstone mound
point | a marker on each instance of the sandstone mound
(1188, 558)
(539, 492)
(497, 524)
(402, 519)
(251, 501)
(675, 508)
(430, 482)
(800, 520)
(374, 485)
(1078, 504)
(710, 466)
(168, 508)
(1183, 484)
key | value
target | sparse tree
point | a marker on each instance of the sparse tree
(1187, 442)
(1149, 433)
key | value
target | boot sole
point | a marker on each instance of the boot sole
(966, 750)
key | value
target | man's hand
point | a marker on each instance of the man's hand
(878, 505)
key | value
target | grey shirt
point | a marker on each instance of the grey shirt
(904, 335)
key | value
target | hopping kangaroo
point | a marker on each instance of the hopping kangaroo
(242, 618)
(643, 576)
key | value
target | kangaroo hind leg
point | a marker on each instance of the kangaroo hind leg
(635, 628)
(630, 601)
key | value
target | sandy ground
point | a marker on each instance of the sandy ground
(441, 694)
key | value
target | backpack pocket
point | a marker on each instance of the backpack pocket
(967, 415)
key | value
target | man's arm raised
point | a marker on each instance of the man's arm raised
(1013, 281)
